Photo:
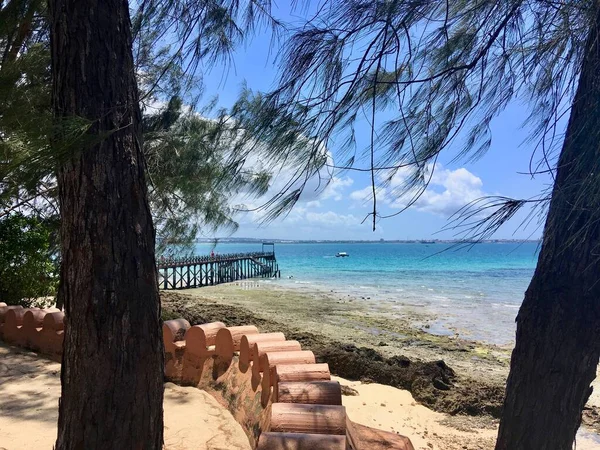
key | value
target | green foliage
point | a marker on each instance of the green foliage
(279, 139)
(198, 166)
(193, 174)
(28, 265)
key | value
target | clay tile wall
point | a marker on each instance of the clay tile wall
(286, 401)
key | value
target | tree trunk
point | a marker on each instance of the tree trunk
(558, 325)
(112, 367)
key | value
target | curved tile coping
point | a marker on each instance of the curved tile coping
(278, 393)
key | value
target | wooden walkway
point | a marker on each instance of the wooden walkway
(199, 271)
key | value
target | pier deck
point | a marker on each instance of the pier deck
(199, 271)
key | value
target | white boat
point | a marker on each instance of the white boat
(341, 255)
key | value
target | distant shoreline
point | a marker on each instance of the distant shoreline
(379, 241)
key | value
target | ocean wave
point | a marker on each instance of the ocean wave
(504, 305)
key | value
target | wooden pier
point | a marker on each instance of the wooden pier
(199, 271)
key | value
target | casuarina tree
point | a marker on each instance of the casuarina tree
(112, 367)
(194, 161)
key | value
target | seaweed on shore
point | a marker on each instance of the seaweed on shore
(432, 383)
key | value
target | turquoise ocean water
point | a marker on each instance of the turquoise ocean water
(474, 292)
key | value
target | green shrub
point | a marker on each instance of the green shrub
(28, 265)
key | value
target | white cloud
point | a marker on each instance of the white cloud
(397, 178)
(302, 224)
(331, 219)
(335, 187)
(324, 185)
(305, 214)
(365, 195)
(312, 197)
(448, 191)
(313, 204)
(361, 195)
(457, 188)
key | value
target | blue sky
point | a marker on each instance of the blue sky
(337, 212)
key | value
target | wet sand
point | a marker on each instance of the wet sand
(348, 319)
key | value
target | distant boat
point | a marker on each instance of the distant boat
(341, 255)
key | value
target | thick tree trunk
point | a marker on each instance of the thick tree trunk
(558, 326)
(112, 368)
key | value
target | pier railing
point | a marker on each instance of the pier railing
(198, 271)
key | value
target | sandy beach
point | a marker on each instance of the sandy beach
(396, 410)
(29, 393)
(30, 388)
(462, 415)
(481, 369)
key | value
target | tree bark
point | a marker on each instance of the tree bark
(558, 325)
(112, 367)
